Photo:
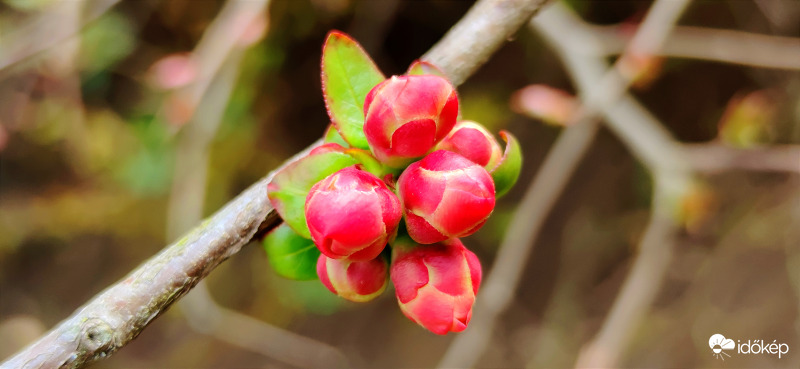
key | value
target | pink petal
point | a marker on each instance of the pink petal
(471, 144)
(432, 310)
(414, 138)
(420, 190)
(421, 231)
(442, 160)
(475, 271)
(448, 269)
(460, 211)
(448, 116)
(370, 252)
(367, 277)
(408, 275)
(322, 272)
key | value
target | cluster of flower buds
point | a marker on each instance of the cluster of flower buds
(388, 197)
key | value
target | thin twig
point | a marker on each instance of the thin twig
(189, 191)
(640, 287)
(600, 89)
(721, 45)
(672, 175)
(715, 158)
(38, 34)
(117, 315)
(497, 292)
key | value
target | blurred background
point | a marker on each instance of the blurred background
(122, 123)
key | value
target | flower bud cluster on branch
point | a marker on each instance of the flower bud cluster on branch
(398, 169)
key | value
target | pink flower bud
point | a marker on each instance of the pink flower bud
(474, 142)
(549, 104)
(407, 115)
(445, 195)
(358, 281)
(351, 214)
(436, 284)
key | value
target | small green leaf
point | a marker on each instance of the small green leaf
(368, 162)
(291, 255)
(348, 74)
(419, 67)
(289, 187)
(506, 173)
(333, 136)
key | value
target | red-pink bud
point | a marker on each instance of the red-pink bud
(405, 116)
(474, 142)
(436, 284)
(358, 281)
(445, 195)
(351, 214)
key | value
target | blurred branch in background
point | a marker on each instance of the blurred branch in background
(652, 144)
(600, 88)
(634, 125)
(38, 34)
(218, 58)
(721, 45)
(714, 158)
(116, 316)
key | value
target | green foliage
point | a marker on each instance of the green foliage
(290, 186)
(148, 170)
(291, 255)
(333, 136)
(348, 74)
(419, 67)
(506, 173)
(105, 42)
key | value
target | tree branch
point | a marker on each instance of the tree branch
(486, 26)
(117, 315)
(600, 89)
(722, 45)
(38, 34)
(714, 158)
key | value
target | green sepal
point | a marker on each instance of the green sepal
(348, 74)
(333, 136)
(289, 187)
(419, 67)
(291, 255)
(506, 173)
(368, 162)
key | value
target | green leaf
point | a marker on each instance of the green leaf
(419, 67)
(506, 173)
(289, 187)
(368, 162)
(291, 255)
(348, 74)
(333, 136)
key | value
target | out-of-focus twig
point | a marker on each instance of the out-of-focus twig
(188, 195)
(486, 26)
(41, 33)
(558, 167)
(117, 315)
(497, 291)
(715, 158)
(662, 155)
(218, 42)
(722, 45)
(240, 330)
